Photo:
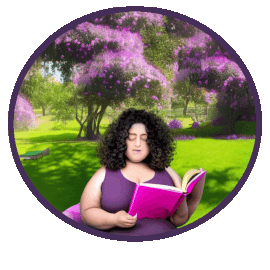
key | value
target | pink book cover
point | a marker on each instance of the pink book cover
(152, 202)
(149, 202)
(194, 181)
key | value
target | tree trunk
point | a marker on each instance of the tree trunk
(185, 108)
(80, 132)
(92, 129)
(43, 111)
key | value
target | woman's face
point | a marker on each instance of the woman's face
(137, 148)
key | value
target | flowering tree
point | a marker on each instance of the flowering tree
(206, 64)
(24, 116)
(108, 64)
(43, 91)
(28, 83)
(187, 92)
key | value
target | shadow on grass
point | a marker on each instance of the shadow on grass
(218, 185)
(65, 136)
(62, 175)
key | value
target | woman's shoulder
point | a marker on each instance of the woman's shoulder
(175, 177)
(99, 176)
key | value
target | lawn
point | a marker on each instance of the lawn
(62, 175)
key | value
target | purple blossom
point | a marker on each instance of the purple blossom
(158, 34)
(62, 56)
(175, 124)
(99, 94)
(128, 89)
(86, 93)
(195, 125)
(24, 116)
(184, 138)
(154, 97)
(146, 86)
(219, 121)
(111, 76)
(117, 81)
(234, 137)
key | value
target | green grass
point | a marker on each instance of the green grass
(62, 175)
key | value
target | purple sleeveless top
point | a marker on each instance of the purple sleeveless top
(116, 195)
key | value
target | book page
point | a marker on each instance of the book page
(165, 187)
(187, 177)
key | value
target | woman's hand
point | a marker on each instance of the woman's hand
(124, 220)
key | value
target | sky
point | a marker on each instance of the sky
(57, 75)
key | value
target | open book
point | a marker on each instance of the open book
(161, 201)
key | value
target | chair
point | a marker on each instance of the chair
(35, 154)
(74, 213)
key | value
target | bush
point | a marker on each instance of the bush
(195, 125)
(24, 116)
(245, 128)
(203, 131)
(175, 124)
(219, 121)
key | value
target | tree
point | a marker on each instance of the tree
(206, 64)
(24, 116)
(68, 105)
(42, 89)
(27, 86)
(185, 93)
(109, 66)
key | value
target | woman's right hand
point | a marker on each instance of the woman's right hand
(124, 220)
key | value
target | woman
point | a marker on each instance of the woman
(136, 148)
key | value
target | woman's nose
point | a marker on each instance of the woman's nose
(138, 142)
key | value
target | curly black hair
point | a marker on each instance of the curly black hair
(111, 148)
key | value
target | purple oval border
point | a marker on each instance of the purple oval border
(105, 235)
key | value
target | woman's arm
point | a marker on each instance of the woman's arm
(93, 214)
(190, 203)
(91, 211)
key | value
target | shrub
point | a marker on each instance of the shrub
(24, 116)
(219, 121)
(175, 124)
(195, 125)
(184, 138)
(234, 137)
(245, 128)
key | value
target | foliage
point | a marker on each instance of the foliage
(43, 91)
(203, 131)
(24, 116)
(219, 121)
(159, 46)
(175, 27)
(28, 83)
(105, 55)
(195, 125)
(184, 138)
(175, 124)
(62, 107)
(245, 128)
(206, 63)
(186, 92)
(235, 137)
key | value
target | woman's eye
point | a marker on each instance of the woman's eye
(132, 137)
